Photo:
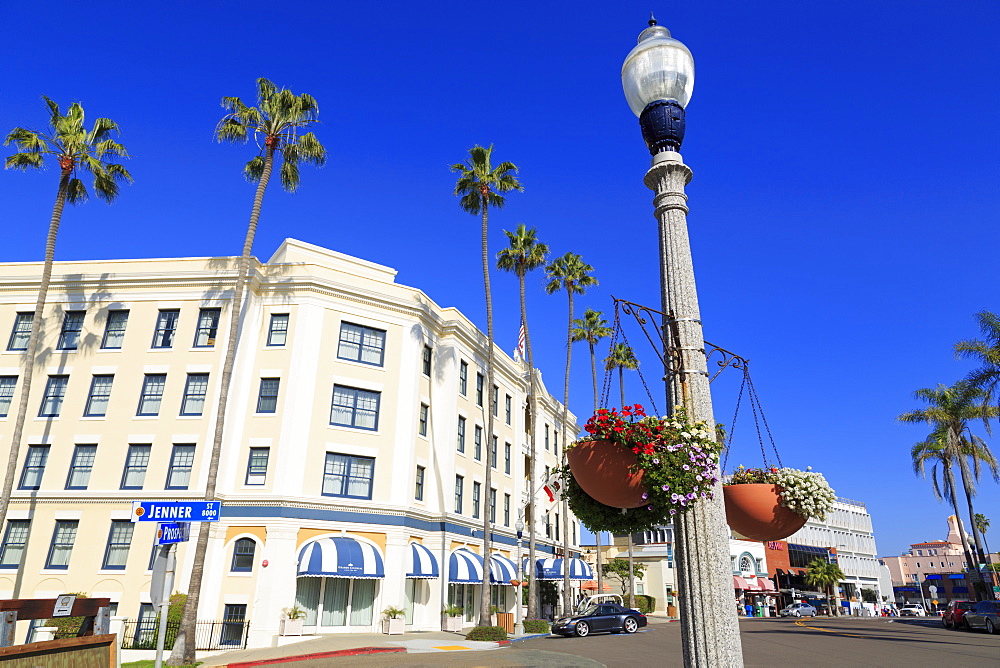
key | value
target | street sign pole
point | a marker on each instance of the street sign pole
(164, 564)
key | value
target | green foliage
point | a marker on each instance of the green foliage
(452, 610)
(645, 603)
(487, 633)
(618, 568)
(869, 595)
(536, 626)
(479, 180)
(67, 627)
(294, 612)
(392, 612)
(986, 351)
(570, 273)
(598, 517)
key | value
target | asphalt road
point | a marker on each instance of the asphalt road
(766, 642)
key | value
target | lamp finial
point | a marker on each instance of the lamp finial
(652, 19)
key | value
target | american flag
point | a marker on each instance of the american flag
(519, 351)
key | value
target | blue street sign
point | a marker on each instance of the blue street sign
(173, 532)
(176, 511)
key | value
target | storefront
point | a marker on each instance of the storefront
(552, 570)
(423, 567)
(337, 584)
(465, 580)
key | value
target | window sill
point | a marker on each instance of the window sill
(351, 430)
(108, 350)
(92, 418)
(146, 417)
(240, 574)
(111, 571)
(266, 415)
(190, 417)
(46, 419)
(53, 571)
(160, 350)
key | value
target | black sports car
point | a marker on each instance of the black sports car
(601, 617)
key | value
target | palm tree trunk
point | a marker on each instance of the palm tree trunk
(567, 598)
(597, 534)
(183, 651)
(973, 567)
(484, 599)
(32, 350)
(969, 488)
(533, 408)
(631, 556)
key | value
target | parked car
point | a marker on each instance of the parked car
(912, 610)
(798, 610)
(599, 618)
(952, 617)
(986, 616)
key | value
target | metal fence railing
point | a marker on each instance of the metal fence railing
(209, 635)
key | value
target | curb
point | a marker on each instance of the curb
(531, 637)
(317, 655)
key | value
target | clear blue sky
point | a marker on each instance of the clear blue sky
(843, 210)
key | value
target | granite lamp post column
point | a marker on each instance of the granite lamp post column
(658, 78)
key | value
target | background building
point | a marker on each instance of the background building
(353, 463)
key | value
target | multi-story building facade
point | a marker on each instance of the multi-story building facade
(937, 564)
(352, 468)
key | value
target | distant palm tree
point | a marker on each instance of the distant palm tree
(982, 523)
(621, 357)
(986, 351)
(591, 328)
(572, 274)
(952, 444)
(480, 185)
(75, 148)
(525, 254)
(825, 574)
(278, 120)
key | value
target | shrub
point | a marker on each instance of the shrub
(66, 627)
(645, 603)
(536, 626)
(488, 633)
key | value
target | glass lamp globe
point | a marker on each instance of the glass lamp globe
(658, 68)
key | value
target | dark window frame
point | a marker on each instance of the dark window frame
(254, 467)
(88, 410)
(459, 493)
(72, 327)
(210, 328)
(426, 358)
(362, 332)
(123, 543)
(277, 328)
(63, 545)
(30, 468)
(463, 377)
(270, 400)
(23, 532)
(423, 419)
(418, 490)
(20, 333)
(137, 450)
(86, 468)
(347, 478)
(116, 331)
(195, 381)
(480, 381)
(8, 387)
(461, 433)
(356, 395)
(166, 328)
(55, 392)
(178, 454)
(240, 558)
(477, 493)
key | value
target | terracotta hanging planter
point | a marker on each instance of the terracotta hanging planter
(604, 470)
(755, 511)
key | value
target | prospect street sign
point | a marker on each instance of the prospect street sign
(173, 532)
(176, 511)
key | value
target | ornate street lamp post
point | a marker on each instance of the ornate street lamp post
(658, 78)
(518, 622)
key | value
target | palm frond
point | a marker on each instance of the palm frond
(254, 169)
(290, 175)
(232, 130)
(76, 192)
(24, 161)
(310, 150)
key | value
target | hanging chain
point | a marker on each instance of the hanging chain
(606, 389)
(732, 426)
(756, 399)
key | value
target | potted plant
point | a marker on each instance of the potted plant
(291, 621)
(394, 622)
(771, 503)
(632, 460)
(452, 618)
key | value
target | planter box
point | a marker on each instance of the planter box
(451, 624)
(394, 626)
(291, 627)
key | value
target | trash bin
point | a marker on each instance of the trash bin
(506, 620)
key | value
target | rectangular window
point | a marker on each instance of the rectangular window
(506, 510)
(61, 547)
(257, 466)
(548, 526)
(557, 526)
(208, 327)
(152, 394)
(555, 441)
(181, 463)
(14, 542)
(100, 393)
(81, 466)
(166, 327)
(136, 463)
(233, 617)
(425, 361)
(476, 493)
(361, 344)
(479, 389)
(69, 336)
(194, 394)
(493, 506)
(493, 453)
(546, 437)
(496, 401)
(277, 330)
(345, 475)
(506, 458)
(55, 391)
(114, 330)
(459, 491)
(243, 554)
(461, 434)
(267, 397)
(463, 377)
(7, 386)
(422, 422)
(478, 441)
(34, 467)
(418, 492)
(507, 408)
(21, 333)
(119, 540)
(355, 408)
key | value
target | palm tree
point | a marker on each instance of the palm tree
(622, 357)
(526, 254)
(75, 148)
(986, 351)
(825, 574)
(572, 274)
(950, 444)
(279, 120)
(480, 186)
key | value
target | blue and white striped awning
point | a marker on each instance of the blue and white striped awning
(422, 563)
(552, 569)
(340, 557)
(466, 567)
